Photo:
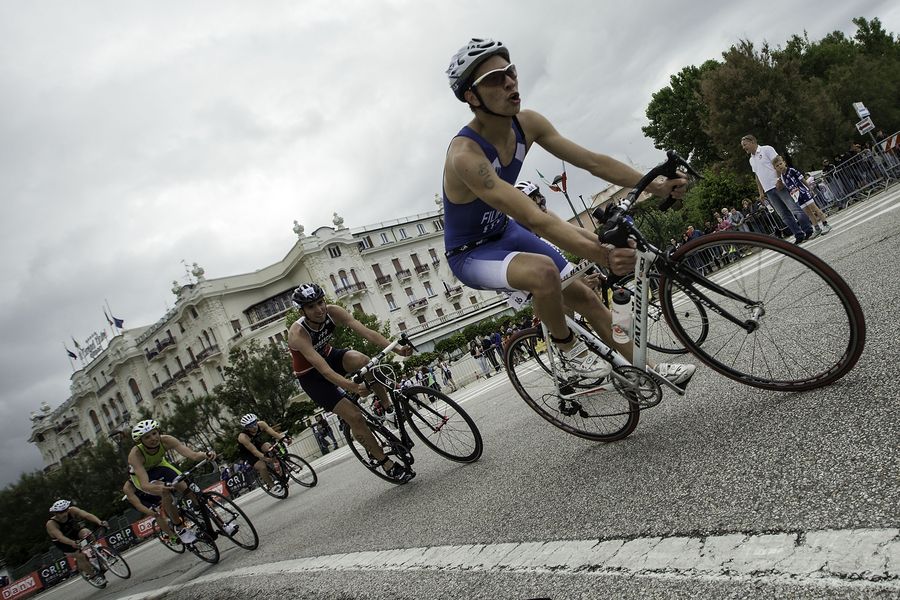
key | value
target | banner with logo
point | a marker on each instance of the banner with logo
(143, 528)
(121, 539)
(55, 572)
(23, 587)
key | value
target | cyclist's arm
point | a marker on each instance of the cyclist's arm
(173, 443)
(605, 167)
(265, 427)
(244, 440)
(130, 495)
(299, 341)
(468, 163)
(85, 516)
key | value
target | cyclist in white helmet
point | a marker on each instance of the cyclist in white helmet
(65, 527)
(492, 238)
(253, 449)
(152, 473)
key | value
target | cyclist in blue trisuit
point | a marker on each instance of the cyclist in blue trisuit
(493, 239)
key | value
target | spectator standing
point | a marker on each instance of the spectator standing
(477, 353)
(325, 430)
(771, 188)
(446, 374)
(793, 181)
(488, 349)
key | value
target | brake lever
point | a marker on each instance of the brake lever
(670, 170)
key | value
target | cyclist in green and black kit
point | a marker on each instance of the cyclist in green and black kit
(152, 471)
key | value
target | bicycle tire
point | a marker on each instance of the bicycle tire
(612, 417)
(660, 336)
(225, 512)
(789, 279)
(173, 544)
(204, 548)
(113, 562)
(389, 443)
(433, 423)
(300, 471)
(276, 479)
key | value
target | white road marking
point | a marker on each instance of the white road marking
(862, 559)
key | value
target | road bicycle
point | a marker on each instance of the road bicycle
(772, 316)
(214, 514)
(438, 421)
(103, 558)
(289, 467)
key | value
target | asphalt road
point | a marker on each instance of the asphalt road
(728, 492)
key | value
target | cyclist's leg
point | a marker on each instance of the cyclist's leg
(263, 472)
(539, 275)
(351, 414)
(353, 360)
(154, 503)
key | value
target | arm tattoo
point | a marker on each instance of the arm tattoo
(486, 173)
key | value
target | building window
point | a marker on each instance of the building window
(434, 257)
(439, 312)
(220, 372)
(193, 312)
(334, 251)
(365, 243)
(421, 320)
(420, 228)
(456, 306)
(401, 326)
(390, 301)
(473, 300)
(409, 294)
(403, 234)
(156, 379)
(357, 308)
(203, 385)
(384, 238)
(438, 224)
(180, 327)
(168, 372)
(428, 289)
(236, 325)
(342, 275)
(135, 391)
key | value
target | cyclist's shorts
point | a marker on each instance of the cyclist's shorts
(325, 394)
(165, 473)
(64, 548)
(484, 267)
(149, 500)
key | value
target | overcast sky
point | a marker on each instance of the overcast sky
(138, 135)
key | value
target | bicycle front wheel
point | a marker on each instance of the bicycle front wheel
(390, 445)
(300, 470)
(809, 328)
(660, 336)
(204, 548)
(595, 412)
(442, 424)
(113, 562)
(231, 521)
(170, 542)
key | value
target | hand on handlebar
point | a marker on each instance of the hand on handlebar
(403, 350)
(665, 188)
(209, 455)
(621, 260)
(360, 389)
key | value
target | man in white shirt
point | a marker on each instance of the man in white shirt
(771, 188)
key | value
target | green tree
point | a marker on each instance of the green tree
(259, 379)
(677, 115)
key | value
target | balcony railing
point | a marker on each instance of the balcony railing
(350, 289)
(384, 280)
(208, 352)
(457, 314)
(422, 269)
(453, 292)
(435, 262)
(106, 387)
(191, 365)
(418, 305)
(403, 275)
(161, 346)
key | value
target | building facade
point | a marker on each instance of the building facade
(394, 270)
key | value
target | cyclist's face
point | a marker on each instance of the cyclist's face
(316, 310)
(498, 85)
(150, 439)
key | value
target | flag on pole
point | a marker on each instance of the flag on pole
(77, 345)
(69, 352)
(119, 323)
(108, 320)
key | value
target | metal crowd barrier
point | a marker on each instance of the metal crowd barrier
(866, 174)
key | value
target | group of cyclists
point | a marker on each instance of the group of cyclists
(498, 236)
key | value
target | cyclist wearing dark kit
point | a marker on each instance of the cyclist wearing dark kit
(321, 369)
(493, 239)
(66, 527)
(253, 448)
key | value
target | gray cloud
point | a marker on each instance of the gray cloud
(136, 138)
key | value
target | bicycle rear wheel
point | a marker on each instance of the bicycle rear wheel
(592, 412)
(390, 445)
(278, 489)
(811, 331)
(300, 470)
(204, 548)
(113, 562)
(442, 424)
(231, 521)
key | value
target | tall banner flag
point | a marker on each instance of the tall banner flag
(69, 352)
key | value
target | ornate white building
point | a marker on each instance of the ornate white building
(395, 270)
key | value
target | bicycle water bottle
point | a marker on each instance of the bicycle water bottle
(621, 315)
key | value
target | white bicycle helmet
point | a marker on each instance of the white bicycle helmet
(142, 428)
(307, 293)
(248, 420)
(527, 187)
(464, 62)
(60, 506)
